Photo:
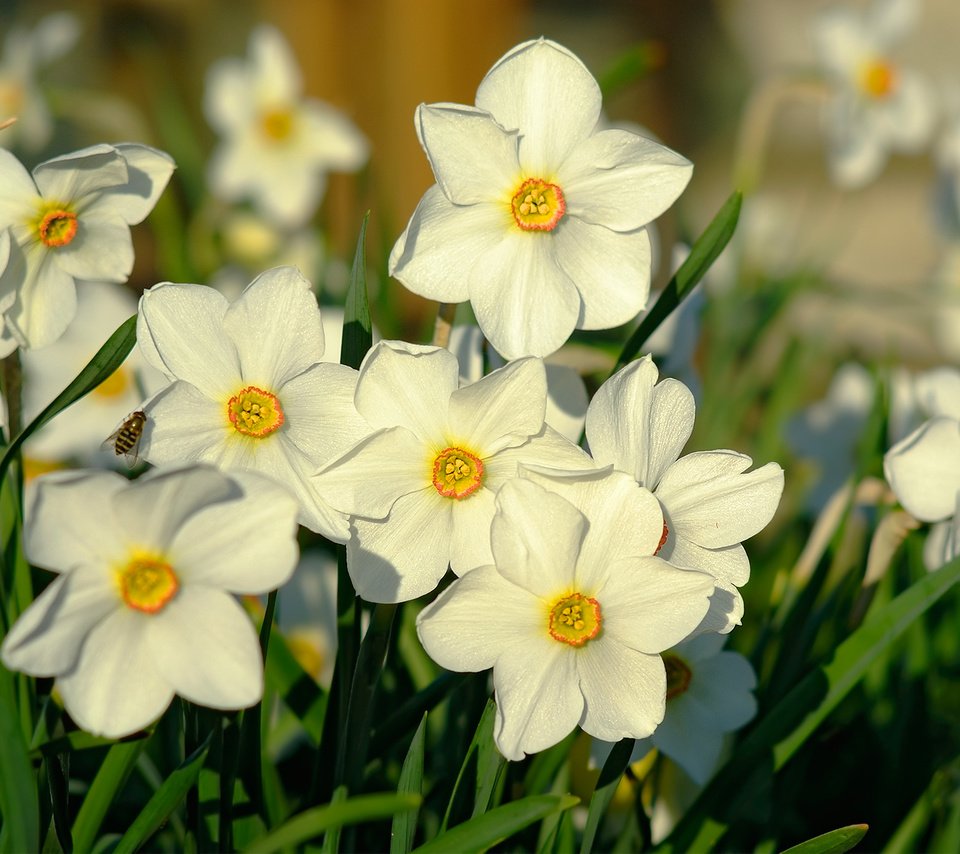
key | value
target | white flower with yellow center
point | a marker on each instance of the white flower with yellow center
(247, 388)
(420, 489)
(141, 609)
(537, 217)
(710, 501)
(877, 106)
(71, 222)
(571, 621)
(277, 145)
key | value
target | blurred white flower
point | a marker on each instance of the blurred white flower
(142, 608)
(247, 388)
(537, 217)
(878, 106)
(277, 146)
(78, 432)
(710, 501)
(420, 488)
(70, 222)
(535, 617)
(25, 52)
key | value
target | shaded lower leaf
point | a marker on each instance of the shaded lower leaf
(110, 778)
(606, 787)
(410, 783)
(19, 804)
(835, 842)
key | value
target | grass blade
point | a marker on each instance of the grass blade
(110, 778)
(411, 783)
(19, 804)
(606, 787)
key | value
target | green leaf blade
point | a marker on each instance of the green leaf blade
(834, 842)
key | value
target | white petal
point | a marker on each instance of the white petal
(545, 91)
(538, 696)
(924, 469)
(184, 425)
(611, 270)
(470, 543)
(47, 638)
(204, 645)
(710, 499)
(473, 158)
(442, 243)
(624, 690)
(404, 556)
(525, 303)
(536, 537)
(76, 176)
(857, 156)
(650, 606)
(276, 327)
(548, 450)
(688, 739)
(729, 565)
(101, 250)
(18, 192)
(622, 180)
(638, 425)
(942, 544)
(46, 302)
(910, 113)
(247, 545)
(180, 330)
(407, 385)
(723, 685)
(332, 139)
(116, 688)
(477, 618)
(502, 409)
(273, 66)
(148, 171)
(226, 95)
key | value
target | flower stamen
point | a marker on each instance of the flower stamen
(575, 619)
(457, 473)
(277, 125)
(663, 539)
(147, 583)
(255, 412)
(878, 78)
(538, 205)
(57, 227)
(678, 675)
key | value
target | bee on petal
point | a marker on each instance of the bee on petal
(125, 440)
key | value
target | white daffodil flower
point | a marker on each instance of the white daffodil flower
(277, 146)
(710, 501)
(535, 616)
(142, 609)
(25, 52)
(247, 388)
(924, 472)
(537, 217)
(877, 106)
(709, 694)
(70, 222)
(420, 488)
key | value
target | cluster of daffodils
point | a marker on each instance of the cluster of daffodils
(596, 585)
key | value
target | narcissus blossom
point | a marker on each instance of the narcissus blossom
(69, 222)
(877, 105)
(710, 501)
(141, 608)
(571, 622)
(247, 388)
(420, 488)
(277, 146)
(537, 217)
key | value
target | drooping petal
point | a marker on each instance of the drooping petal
(470, 542)
(547, 450)
(478, 618)
(621, 180)
(81, 174)
(924, 469)
(69, 522)
(611, 270)
(407, 385)
(47, 638)
(404, 556)
(650, 605)
(503, 409)
(729, 564)
(638, 425)
(148, 171)
(943, 543)
(548, 93)
(180, 331)
(279, 311)
(536, 537)
(538, 695)
(712, 500)
(442, 242)
(204, 645)
(624, 690)
(46, 302)
(473, 158)
(101, 251)
(525, 303)
(247, 545)
(116, 688)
